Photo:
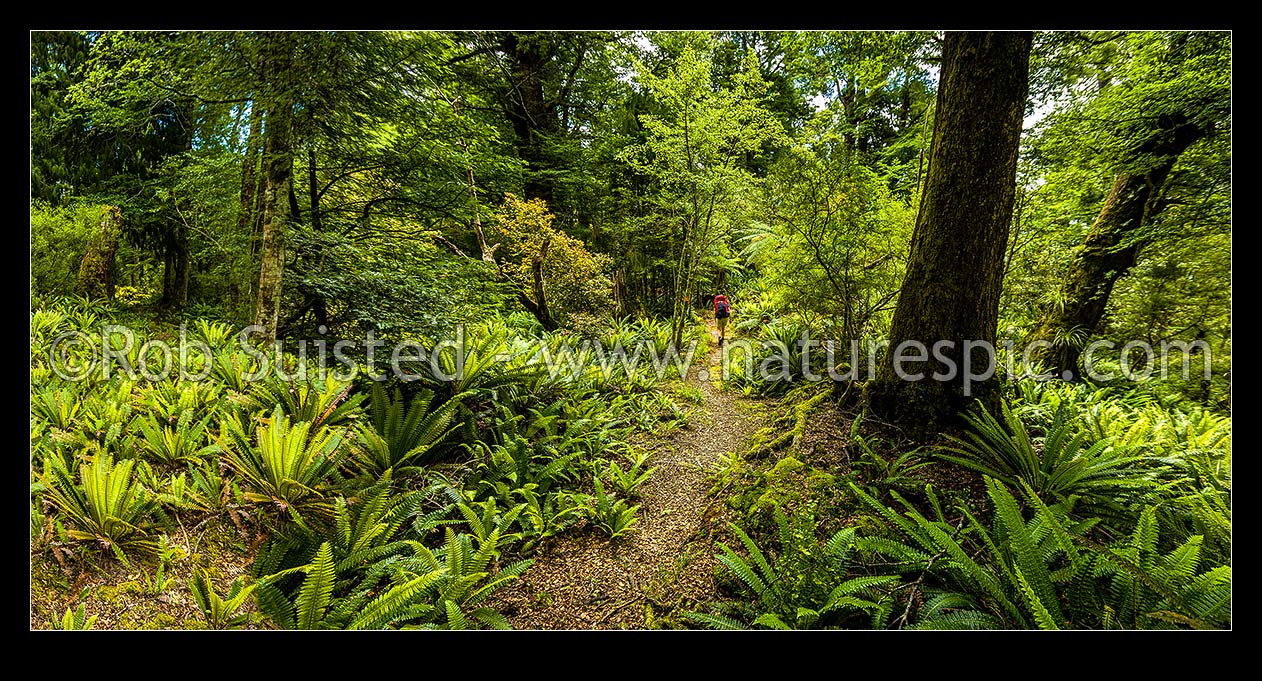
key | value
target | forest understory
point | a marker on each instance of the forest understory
(421, 330)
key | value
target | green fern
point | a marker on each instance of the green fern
(397, 438)
(612, 515)
(318, 403)
(183, 443)
(1061, 464)
(106, 504)
(219, 612)
(790, 591)
(545, 515)
(73, 619)
(284, 465)
(628, 481)
(167, 400)
(317, 590)
(398, 601)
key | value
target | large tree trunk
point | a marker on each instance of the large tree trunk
(96, 269)
(278, 171)
(1111, 248)
(951, 290)
(680, 288)
(175, 290)
(532, 117)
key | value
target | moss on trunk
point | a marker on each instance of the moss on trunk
(951, 291)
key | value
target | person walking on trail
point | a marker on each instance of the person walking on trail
(722, 310)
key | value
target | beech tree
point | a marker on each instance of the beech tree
(951, 290)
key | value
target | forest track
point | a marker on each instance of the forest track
(587, 581)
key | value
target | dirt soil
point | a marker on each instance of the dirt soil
(647, 578)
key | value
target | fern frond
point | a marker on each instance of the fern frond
(317, 589)
(715, 621)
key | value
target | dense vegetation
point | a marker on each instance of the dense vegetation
(519, 212)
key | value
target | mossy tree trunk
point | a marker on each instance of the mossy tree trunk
(278, 171)
(96, 269)
(246, 218)
(954, 273)
(1111, 248)
(533, 117)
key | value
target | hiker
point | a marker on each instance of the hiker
(722, 310)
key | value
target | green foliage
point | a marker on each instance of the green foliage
(105, 504)
(160, 581)
(781, 167)
(626, 482)
(546, 515)
(397, 438)
(882, 473)
(1047, 571)
(219, 612)
(804, 587)
(574, 279)
(427, 589)
(489, 528)
(59, 238)
(283, 464)
(185, 443)
(73, 619)
(1064, 463)
(318, 403)
(169, 400)
(837, 238)
(612, 515)
(485, 374)
(503, 468)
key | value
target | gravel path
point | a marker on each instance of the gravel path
(589, 582)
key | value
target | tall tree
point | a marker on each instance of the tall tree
(951, 291)
(695, 150)
(278, 163)
(1158, 96)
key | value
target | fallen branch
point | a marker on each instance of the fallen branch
(618, 607)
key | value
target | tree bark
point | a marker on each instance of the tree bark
(241, 290)
(249, 170)
(313, 190)
(1111, 248)
(951, 290)
(541, 300)
(175, 270)
(96, 269)
(532, 117)
(278, 164)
